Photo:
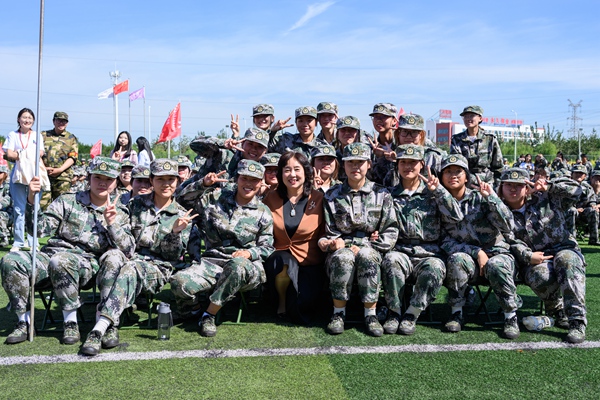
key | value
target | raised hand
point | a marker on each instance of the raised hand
(484, 188)
(317, 180)
(110, 212)
(235, 125)
(374, 236)
(211, 178)
(281, 124)
(431, 180)
(233, 144)
(182, 222)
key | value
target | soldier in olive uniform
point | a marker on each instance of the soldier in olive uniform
(86, 229)
(160, 229)
(124, 181)
(476, 247)
(385, 122)
(422, 207)
(327, 116)
(480, 148)
(140, 183)
(60, 154)
(303, 141)
(263, 118)
(360, 227)
(237, 230)
(326, 168)
(587, 213)
(548, 256)
(5, 207)
(185, 167)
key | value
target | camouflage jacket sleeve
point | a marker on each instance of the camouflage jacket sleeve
(119, 232)
(387, 228)
(499, 214)
(264, 240)
(496, 161)
(48, 221)
(587, 197)
(519, 250)
(331, 231)
(565, 188)
(455, 144)
(447, 205)
(5, 198)
(187, 194)
(452, 246)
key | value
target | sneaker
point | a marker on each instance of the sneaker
(19, 334)
(408, 325)
(373, 326)
(391, 324)
(336, 325)
(14, 249)
(70, 333)
(560, 318)
(208, 327)
(511, 328)
(92, 344)
(110, 338)
(576, 331)
(455, 323)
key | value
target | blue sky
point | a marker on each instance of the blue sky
(219, 58)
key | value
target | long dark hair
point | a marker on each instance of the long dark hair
(127, 148)
(308, 173)
(143, 144)
(23, 111)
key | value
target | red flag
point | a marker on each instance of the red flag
(172, 127)
(401, 112)
(121, 87)
(96, 149)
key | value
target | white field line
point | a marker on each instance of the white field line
(310, 351)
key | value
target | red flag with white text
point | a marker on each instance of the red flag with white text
(121, 87)
(96, 149)
(172, 127)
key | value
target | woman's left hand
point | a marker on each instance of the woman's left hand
(242, 253)
(110, 212)
(431, 180)
(182, 222)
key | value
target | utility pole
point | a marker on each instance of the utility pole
(574, 122)
(116, 75)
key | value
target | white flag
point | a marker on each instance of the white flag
(105, 94)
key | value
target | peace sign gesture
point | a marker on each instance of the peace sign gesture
(541, 185)
(431, 180)
(233, 144)
(377, 150)
(281, 124)
(110, 212)
(484, 188)
(235, 125)
(211, 178)
(182, 222)
(317, 180)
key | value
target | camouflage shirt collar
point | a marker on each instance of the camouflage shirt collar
(85, 199)
(366, 188)
(52, 132)
(399, 189)
(148, 201)
(480, 134)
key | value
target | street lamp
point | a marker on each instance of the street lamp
(516, 130)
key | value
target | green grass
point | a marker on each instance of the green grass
(571, 373)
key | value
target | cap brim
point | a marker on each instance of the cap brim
(257, 141)
(355, 158)
(104, 173)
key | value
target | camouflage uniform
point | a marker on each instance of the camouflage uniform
(158, 251)
(80, 243)
(540, 226)
(225, 228)
(354, 215)
(58, 148)
(5, 210)
(485, 222)
(417, 258)
(483, 154)
(381, 166)
(326, 107)
(587, 201)
(293, 142)
(350, 122)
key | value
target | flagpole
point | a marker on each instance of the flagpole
(116, 75)
(36, 201)
(149, 124)
(169, 149)
(144, 87)
(130, 116)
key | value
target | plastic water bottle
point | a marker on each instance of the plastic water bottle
(537, 323)
(165, 321)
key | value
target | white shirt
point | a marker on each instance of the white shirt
(144, 158)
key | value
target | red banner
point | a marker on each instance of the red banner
(96, 149)
(121, 87)
(172, 127)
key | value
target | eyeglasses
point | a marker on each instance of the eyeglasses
(453, 172)
(411, 133)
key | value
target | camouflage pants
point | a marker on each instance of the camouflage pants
(57, 187)
(462, 269)
(426, 274)
(563, 275)
(15, 269)
(342, 265)
(71, 271)
(589, 218)
(5, 223)
(122, 281)
(227, 277)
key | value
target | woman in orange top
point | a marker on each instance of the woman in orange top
(295, 272)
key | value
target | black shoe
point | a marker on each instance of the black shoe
(19, 334)
(336, 325)
(208, 326)
(70, 333)
(374, 328)
(511, 328)
(110, 338)
(91, 346)
(576, 332)
(455, 323)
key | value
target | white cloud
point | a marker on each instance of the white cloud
(312, 11)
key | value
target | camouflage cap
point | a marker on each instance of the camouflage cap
(455, 159)
(258, 136)
(308, 110)
(386, 109)
(183, 161)
(348, 122)
(595, 172)
(164, 167)
(105, 166)
(472, 109)
(410, 152)
(515, 175)
(579, 168)
(263, 109)
(357, 151)
(61, 115)
(140, 172)
(3, 168)
(411, 121)
(127, 163)
(326, 107)
(250, 168)
(323, 151)
(270, 160)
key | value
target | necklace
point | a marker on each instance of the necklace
(293, 210)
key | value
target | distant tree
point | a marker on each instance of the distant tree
(222, 134)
